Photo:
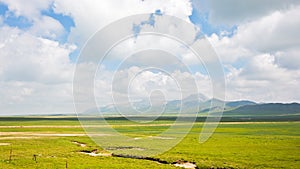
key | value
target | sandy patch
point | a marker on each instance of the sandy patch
(95, 153)
(4, 144)
(57, 135)
(40, 134)
(79, 143)
(162, 138)
(91, 126)
(125, 148)
(41, 126)
(17, 137)
(186, 165)
(34, 135)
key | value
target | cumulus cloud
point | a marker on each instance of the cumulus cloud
(40, 59)
(102, 13)
(47, 27)
(137, 83)
(43, 61)
(1, 20)
(277, 31)
(35, 73)
(31, 10)
(261, 79)
(19, 97)
(261, 57)
(231, 12)
(288, 59)
(149, 50)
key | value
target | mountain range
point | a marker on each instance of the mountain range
(198, 103)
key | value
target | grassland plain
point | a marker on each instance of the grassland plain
(34, 143)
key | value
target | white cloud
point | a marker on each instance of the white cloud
(47, 27)
(231, 12)
(29, 9)
(32, 98)
(149, 50)
(35, 73)
(1, 20)
(102, 13)
(37, 68)
(263, 67)
(275, 32)
(263, 80)
(40, 59)
(137, 83)
(288, 59)
(228, 49)
(42, 25)
(262, 57)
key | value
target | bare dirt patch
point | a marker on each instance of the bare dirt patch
(178, 163)
(95, 153)
(85, 126)
(185, 164)
(79, 143)
(17, 137)
(42, 126)
(126, 148)
(162, 138)
(36, 134)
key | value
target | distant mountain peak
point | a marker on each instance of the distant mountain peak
(199, 97)
(239, 103)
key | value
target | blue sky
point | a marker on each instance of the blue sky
(198, 18)
(3, 8)
(43, 39)
(201, 19)
(22, 22)
(14, 21)
(65, 20)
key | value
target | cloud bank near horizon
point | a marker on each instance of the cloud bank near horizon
(258, 44)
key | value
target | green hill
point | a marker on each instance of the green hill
(269, 109)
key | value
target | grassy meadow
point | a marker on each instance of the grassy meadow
(49, 143)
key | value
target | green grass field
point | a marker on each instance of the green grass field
(32, 143)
